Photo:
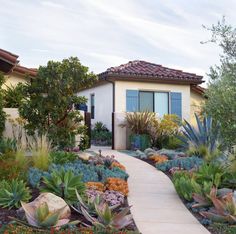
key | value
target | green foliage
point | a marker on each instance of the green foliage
(163, 130)
(183, 185)
(63, 184)
(13, 96)
(185, 163)
(204, 140)
(41, 217)
(41, 147)
(11, 167)
(2, 113)
(62, 157)
(7, 145)
(210, 173)
(100, 127)
(12, 193)
(221, 92)
(52, 94)
(101, 137)
(139, 122)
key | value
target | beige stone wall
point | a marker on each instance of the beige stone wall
(122, 86)
(195, 106)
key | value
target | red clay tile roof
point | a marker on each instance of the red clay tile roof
(9, 63)
(8, 56)
(25, 71)
(198, 89)
(141, 69)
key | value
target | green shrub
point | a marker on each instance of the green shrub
(185, 163)
(13, 96)
(62, 157)
(12, 193)
(7, 145)
(183, 185)
(63, 184)
(210, 173)
(10, 169)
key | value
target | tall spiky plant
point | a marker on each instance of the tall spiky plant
(139, 122)
(204, 139)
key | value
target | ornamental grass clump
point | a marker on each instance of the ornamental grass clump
(41, 147)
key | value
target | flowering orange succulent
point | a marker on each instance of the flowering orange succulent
(117, 184)
(159, 158)
(95, 185)
(119, 165)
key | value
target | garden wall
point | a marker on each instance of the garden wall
(12, 113)
(120, 135)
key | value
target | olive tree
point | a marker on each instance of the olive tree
(221, 93)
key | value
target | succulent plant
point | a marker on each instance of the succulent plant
(107, 218)
(203, 140)
(12, 193)
(63, 184)
(113, 198)
(41, 217)
(186, 163)
(183, 185)
(224, 209)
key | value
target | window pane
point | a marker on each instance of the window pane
(161, 104)
(146, 101)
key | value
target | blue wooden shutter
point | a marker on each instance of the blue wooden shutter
(176, 104)
(131, 100)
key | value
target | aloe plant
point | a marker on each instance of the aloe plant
(89, 205)
(224, 209)
(203, 140)
(63, 184)
(41, 217)
(107, 218)
(12, 193)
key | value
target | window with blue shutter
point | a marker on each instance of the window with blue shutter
(132, 100)
(176, 104)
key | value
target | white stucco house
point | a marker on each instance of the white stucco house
(140, 85)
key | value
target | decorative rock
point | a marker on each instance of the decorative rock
(54, 203)
(84, 156)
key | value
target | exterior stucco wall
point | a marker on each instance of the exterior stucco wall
(103, 103)
(196, 101)
(14, 79)
(122, 86)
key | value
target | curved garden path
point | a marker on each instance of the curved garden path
(156, 207)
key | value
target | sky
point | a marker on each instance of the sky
(106, 33)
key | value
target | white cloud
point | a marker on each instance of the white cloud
(107, 33)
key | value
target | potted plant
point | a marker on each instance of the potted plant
(139, 123)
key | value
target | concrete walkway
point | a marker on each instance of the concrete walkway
(156, 207)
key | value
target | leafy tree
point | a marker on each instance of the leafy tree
(221, 93)
(2, 113)
(50, 98)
